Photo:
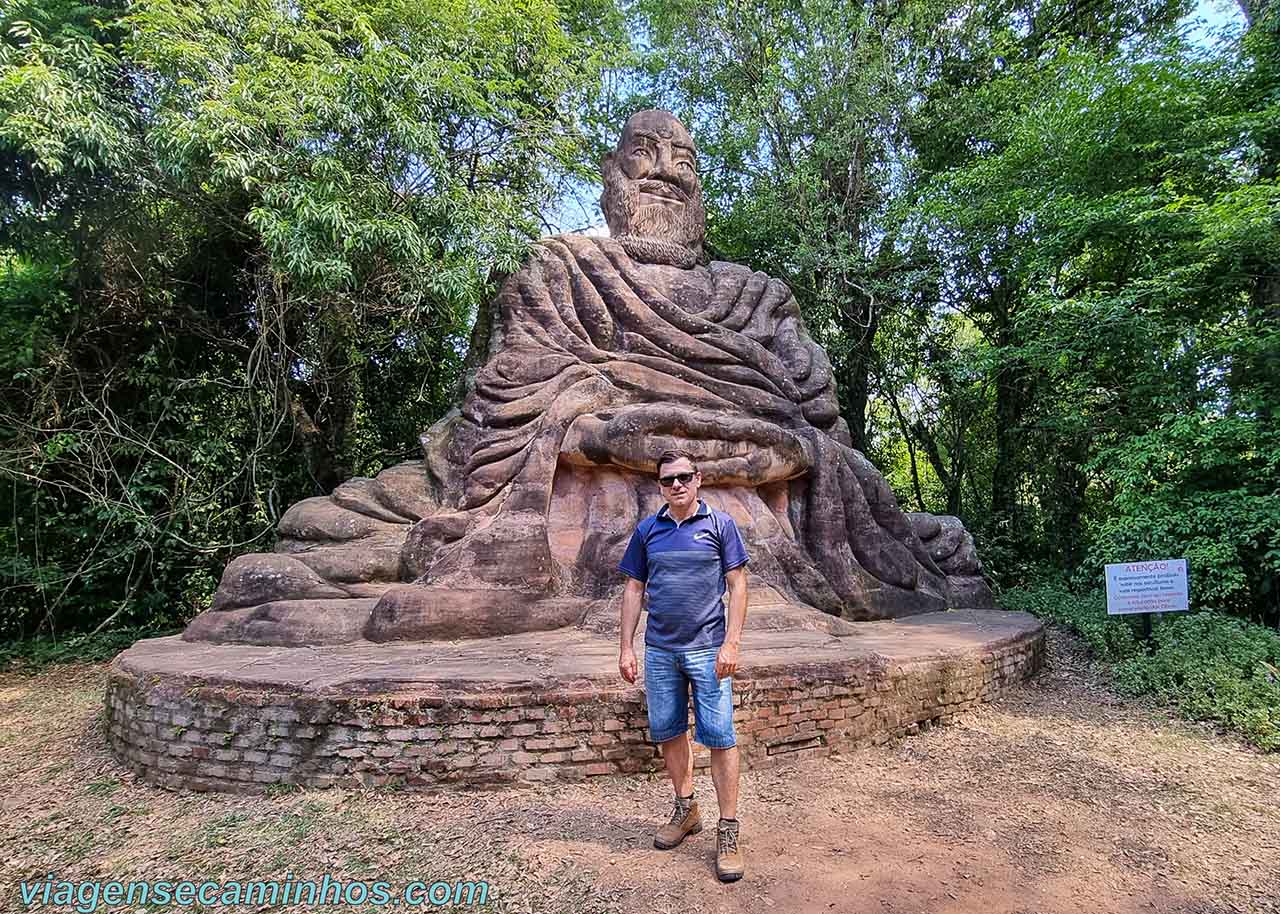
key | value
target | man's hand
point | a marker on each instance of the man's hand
(632, 598)
(727, 660)
(627, 664)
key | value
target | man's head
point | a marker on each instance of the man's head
(651, 186)
(679, 480)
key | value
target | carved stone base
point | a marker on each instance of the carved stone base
(530, 707)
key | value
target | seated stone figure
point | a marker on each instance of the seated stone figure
(599, 354)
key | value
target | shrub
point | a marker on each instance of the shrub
(1207, 665)
(1110, 638)
(1213, 667)
(36, 653)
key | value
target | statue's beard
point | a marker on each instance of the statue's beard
(682, 223)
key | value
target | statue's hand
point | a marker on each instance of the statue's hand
(729, 448)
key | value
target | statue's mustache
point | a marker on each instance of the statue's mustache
(660, 188)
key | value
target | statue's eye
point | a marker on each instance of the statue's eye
(640, 151)
(688, 166)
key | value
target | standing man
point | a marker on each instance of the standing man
(686, 556)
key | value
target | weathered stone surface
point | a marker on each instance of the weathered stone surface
(969, 592)
(285, 623)
(372, 559)
(596, 355)
(418, 612)
(251, 580)
(324, 519)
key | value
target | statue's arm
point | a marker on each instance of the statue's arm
(632, 598)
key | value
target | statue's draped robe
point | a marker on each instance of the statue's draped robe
(593, 363)
(597, 359)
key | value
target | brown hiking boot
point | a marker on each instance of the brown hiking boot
(685, 820)
(729, 863)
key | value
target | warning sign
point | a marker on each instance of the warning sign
(1147, 587)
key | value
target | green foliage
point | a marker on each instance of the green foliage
(241, 246)
(1213, 667)
(798, 108)
(36, 653)
(1207, 665)
(1039, 245)
(1110, 638)
(1108, 231)
(242, 243)
(1200, 486)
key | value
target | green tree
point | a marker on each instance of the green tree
(799, 107)
(1133, 178)
(242, 245)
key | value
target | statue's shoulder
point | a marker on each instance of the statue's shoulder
(575, 242)
(555, 248)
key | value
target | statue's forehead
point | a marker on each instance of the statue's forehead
(657, 125)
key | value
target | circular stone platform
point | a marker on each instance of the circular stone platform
(532, 707)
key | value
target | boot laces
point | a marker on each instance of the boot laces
(680, 810)
(728, 838)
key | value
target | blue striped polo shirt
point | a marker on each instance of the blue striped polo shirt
(683, 565)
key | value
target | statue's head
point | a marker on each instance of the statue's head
(651, 186)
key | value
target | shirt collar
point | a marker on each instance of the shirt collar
(664, 513)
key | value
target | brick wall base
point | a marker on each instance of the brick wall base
(179, 731)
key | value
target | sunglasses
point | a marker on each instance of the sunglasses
(668, 481)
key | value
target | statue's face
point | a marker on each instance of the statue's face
(651, 186)
(656, 151)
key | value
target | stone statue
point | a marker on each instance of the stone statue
(598, 354)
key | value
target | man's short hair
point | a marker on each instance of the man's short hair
(673, 455)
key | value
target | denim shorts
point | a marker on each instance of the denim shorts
(668, 676)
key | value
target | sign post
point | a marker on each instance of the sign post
(1146, 588)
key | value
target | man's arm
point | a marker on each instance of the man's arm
(736, 584)
(632, 598)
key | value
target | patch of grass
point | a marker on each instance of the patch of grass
(222, 831)
(77, 847)
(297, 826)
(277, 790)
(1207, 665)
(112, 813)
(103, 787)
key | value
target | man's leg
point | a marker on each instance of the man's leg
(713, 716)
(667, 696)
(677, 756)
(724, 774)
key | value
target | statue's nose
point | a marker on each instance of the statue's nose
(664, 167)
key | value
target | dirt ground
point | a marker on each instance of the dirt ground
(1059, 798)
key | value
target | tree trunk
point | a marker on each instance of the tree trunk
(854, 389)
(1012, 397)
(1065, 532)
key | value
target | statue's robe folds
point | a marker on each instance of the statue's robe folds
(526, 496)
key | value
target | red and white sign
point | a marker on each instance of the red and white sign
(1147, 587)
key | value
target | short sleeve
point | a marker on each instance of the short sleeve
(635, 561)
(732, 549)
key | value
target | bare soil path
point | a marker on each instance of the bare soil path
(1059, 798)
